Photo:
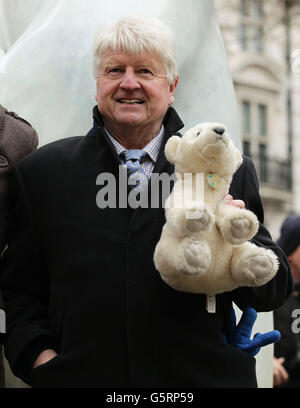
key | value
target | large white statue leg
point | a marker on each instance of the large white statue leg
(51, 61)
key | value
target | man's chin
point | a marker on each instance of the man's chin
(130, 120)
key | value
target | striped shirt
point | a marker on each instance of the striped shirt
(152, 149)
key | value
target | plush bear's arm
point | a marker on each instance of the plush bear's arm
(193, 217)
(235, 224)
(272, 295)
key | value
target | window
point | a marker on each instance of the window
(258, 39)
(254, 126)
(262, 120)
(251, 27)
(257, 9)
(263, 163)
(243, 36)
(246, 117)
(244, 7)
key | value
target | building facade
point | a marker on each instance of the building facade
(263, 46)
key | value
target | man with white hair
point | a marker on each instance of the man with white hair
(85, 306)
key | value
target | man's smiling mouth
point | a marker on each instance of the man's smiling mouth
(131, 101)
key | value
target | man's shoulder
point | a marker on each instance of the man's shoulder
(17, 136)
(247, 165)
(238, 180)
(60, 145)
(13, 117)
(52, 154)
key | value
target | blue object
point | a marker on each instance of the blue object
(239, 335)
(133, 159)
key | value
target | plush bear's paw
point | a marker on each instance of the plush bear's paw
(239, 227)
(257, 268)
(199, 218)
(194, 259)
(194, 217)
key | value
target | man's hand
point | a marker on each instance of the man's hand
(280, 375)
(228, 199)
(239, 335)
(44, 357)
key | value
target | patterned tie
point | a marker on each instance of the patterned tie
(133, 160)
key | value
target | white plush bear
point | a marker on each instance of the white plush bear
(204, 244)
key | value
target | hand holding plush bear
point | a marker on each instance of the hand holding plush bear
(204, 244)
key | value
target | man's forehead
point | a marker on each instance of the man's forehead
(148, 58)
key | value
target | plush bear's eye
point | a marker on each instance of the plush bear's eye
(198, 134)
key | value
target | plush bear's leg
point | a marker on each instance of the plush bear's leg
(193, 258)
(194, 217)
(236, 225)
(252, 265)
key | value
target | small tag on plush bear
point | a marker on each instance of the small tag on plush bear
(211, 304)
(213, 180)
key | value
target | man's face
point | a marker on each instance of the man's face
(294, 261)
(132, 90)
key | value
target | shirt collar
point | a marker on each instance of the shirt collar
(152, 148)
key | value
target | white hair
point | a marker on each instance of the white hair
(136, 36)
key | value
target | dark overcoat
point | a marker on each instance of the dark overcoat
(81, 280)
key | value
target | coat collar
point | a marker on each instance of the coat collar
(172, 124)
(171, 121)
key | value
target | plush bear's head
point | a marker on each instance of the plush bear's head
(206, 148)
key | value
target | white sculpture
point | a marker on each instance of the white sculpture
(48, 62)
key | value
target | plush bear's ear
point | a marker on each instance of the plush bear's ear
(171, 148)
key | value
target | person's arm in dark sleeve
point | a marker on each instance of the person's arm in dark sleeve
(24, 284)
(273, 294)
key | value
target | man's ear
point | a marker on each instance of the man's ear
(172, 91)
(171, 148)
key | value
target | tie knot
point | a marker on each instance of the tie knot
(134, 155)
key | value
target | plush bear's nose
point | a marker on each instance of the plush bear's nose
(219, 130)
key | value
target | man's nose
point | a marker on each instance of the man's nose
(129, 80)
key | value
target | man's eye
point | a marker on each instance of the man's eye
(114, 71)
(145, 72)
